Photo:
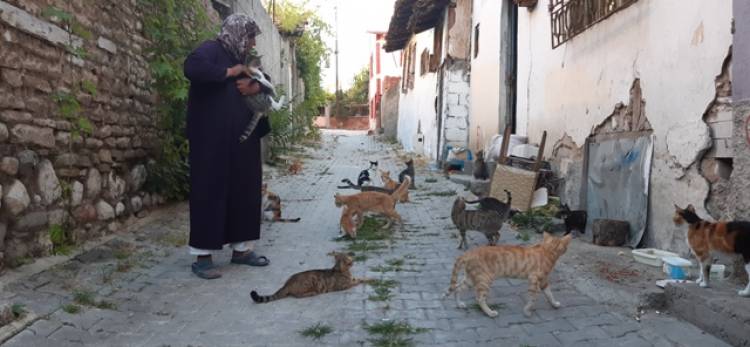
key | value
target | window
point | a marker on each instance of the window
(476, 40)
(572, 17)
(424, 62)
(223, 7)
(437, 48)
(410, 62)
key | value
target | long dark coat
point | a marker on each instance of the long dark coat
(225, 176)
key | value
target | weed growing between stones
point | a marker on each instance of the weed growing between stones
(392, 333)
(18, 310)
(382, 289)
(317, 331)
(71, 308)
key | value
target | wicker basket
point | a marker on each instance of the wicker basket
(519, 182)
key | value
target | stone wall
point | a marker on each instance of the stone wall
(56, 73)
(49, 174)
(389, 107)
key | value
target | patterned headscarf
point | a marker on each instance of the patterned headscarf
(236, 30)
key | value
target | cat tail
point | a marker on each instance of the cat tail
(349, 182)
(402, 188)
(457, 267)
(507, 192)
(261, 299)
(289, 220)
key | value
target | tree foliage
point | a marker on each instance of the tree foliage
(175, 28)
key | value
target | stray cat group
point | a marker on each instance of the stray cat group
(481, 266)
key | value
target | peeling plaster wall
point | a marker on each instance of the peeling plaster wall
(676, 48)
(416, 107)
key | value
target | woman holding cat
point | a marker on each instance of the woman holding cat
(225, 175)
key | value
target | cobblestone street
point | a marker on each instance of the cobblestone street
(136, 289)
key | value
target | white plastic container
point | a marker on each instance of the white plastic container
(651, 256)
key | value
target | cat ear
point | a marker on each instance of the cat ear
(677, 207)
(691, 208)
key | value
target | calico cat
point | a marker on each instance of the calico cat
(347, 224)
(271, 206)
(574, 220)
(488, 221)
(409, 171)
(388, 183)
(384, 204)
(704, 236)
(485, 264)
(480, 167)
(315, 282)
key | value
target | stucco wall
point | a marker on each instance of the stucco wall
(676, 48)
(741, 83)
(484, 121)
(389, 110)
(417, 106)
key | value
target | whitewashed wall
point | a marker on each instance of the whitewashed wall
(675, 47)
(417, 106)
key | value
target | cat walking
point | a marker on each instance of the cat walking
(483, 265)
(488, 220)
(384, 204)
(316, 282)
(704, 236)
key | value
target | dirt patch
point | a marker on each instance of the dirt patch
(617, 274)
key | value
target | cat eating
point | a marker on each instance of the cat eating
(316, 282)
(483, 265)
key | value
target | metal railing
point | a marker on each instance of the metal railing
(572, 17)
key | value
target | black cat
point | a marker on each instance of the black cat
(409, 171)
(480, 167)
(574, 220)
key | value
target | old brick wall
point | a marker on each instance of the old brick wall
(49, 175)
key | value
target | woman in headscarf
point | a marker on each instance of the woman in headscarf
(225, 175)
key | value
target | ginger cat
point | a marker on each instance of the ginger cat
(296, 167)
(388, 183)
(315, 282)
(485, 264)
(373, 202)
(347, 222)
(703, 236)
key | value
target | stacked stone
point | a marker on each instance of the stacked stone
(48, 175)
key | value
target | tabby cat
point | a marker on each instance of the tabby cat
(704, 236)
(483, 265)
(381, 203)
(388, 183)
(574, 219)
(315, 282)
(488, 221)
(480, 167)
(409, 171)
(271, 206)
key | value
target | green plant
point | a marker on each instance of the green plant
(60, 238)
(71, 308)
(382, 289)
(392, 333)
(18, 310)
(84, 297)
(316, 331)
(533, 219)
(174, 27)
(105, 305)
(70, 110)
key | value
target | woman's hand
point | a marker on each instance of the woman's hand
(248, 87)
(236, 70)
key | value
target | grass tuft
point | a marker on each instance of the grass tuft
(392, 333)
(316, 331)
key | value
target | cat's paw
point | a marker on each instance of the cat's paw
(744, 292)
(527, 312)
(492, 314)
(703, 284)
(556, 304)
(461, 304)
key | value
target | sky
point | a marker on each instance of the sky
(355, 18)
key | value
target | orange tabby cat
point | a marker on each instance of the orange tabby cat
(485, 264)
(373, 202)
(388, 183)
(704, 236)
(296, 167)
(347, 222)
(315, 282)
